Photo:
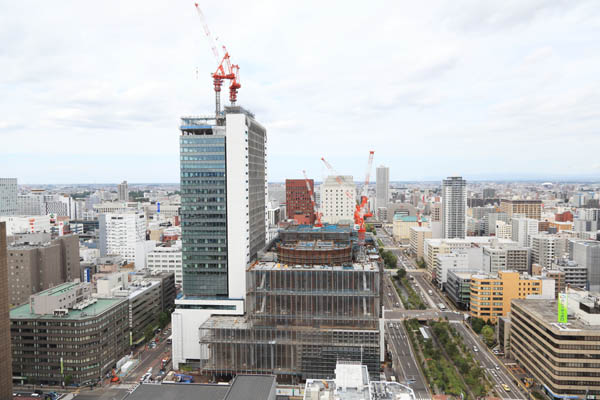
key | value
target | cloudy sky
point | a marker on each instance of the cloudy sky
(92, 92)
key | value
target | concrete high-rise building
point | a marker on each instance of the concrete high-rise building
(454, 207)
(297, 200)
(123, 191)
(36, 262)
(224, 220)
(418, 235)
(383, 186)
(8, 196)
(503, 230)
(489, 193)
(523, 229)
(530, 208)
(31, 204)
(338, 199)
(124, 234)
(5, 346)
(586, 253)
(546, 249)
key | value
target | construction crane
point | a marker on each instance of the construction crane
(337, 176)
(318, 215)
(225, 69)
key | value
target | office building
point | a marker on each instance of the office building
(36, 262)
(300, 321)
(458, 288)
(503, 230)
(124, 234)
(454, 207)
(454, 261)
(522, 230)
(545, 249)
(5, 345)
(8, 196)
(382, 186)
(123, 191)
(166, 259)
(576, 275)
(32, 203)
(586, 253)
(490, 221)
(529, 208)
(338, 199)
(297, 200)
(402, 225)
(489, 193)
(562, 358)
(491, 295)
(500, 257)
(22, 224)
(79, 341)
(224, 220)
(418, 235)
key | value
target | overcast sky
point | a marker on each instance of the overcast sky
(92, 92)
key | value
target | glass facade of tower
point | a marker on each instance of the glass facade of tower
(203, 208)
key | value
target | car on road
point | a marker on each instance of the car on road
(146, 377)
(505, 387)
(475, 349)
(497, 367)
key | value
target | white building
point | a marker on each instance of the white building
(338, 199)
(522, 230)
(454, 207)
(503, 230)
(546, 249)
(166, 259)
(124, 234)
(25, 224)
(457, 261)
(8, 196)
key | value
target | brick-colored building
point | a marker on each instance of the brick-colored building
(297, 200)
(530, 208)
(566, 216)
(5, 349)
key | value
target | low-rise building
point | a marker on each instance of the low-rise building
(80, 341)
(166, 259)
(402, 225)
(561, 357)
(491, 295)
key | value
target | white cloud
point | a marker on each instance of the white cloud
(431, 86)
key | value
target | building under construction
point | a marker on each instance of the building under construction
(300, 321)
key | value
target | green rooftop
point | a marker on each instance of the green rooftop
(406, 218)
(100, 307)
(60, 289)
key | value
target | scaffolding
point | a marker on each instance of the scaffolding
(315, 252)
(300, 321)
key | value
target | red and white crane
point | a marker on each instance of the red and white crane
(225, 69)
(318, 215)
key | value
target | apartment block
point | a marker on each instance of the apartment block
(418, 235)
(576, 275)
(36, 262)
(382, 188)
(586, 253)
(454, 207)
(338, 199)
(124, 234)
(491, 295)
(81, 340)
(498, 257)
(545, 249)
(522, 230)
(529, 208)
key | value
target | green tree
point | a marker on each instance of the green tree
(148, 332)
(401, 273)
(163, 319)
(68, 380)
(488, 335)
(477, 324)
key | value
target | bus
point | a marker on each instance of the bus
(441, 306)
(170, 339)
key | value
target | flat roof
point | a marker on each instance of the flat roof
(99, 307)
(546, 310)
(58, 290)
(271, 265)
(256, 387)
(190, 391)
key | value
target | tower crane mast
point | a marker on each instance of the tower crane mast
(318, 215)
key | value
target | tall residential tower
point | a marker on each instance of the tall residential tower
(454, 207)
(383, 186)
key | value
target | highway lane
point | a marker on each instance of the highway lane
(150, 358)
(495, 369)
(404, 362)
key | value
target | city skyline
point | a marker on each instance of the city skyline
(112, 94)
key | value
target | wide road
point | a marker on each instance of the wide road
(403, 360)
(150, 358)
(391, 299)
(495, 369)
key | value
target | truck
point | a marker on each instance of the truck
(181, 378)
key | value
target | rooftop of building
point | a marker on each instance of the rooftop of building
(421, 228)
(470, 239)
(522, 276)
(461, 275)
(547, 311)
(58, 290)
(532, 201)
(325, 228)
(408, 218)
(313, 245)
(100, 306)
(270, 265)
